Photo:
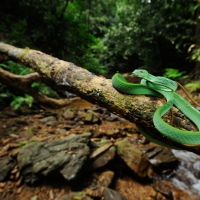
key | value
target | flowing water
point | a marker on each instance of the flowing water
(188, 173)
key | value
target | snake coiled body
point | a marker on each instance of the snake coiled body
(160, 86)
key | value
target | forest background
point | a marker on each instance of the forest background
(106, 36)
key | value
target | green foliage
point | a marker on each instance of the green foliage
(44, 89)
(6, 94)
(104, 36)
(93, 57)
(16, 68)
(15, 101)
(22, 143)
(174, 73)
(194, 86)
(58, 28)
(195, 52)
(150, 35)
(19, 100)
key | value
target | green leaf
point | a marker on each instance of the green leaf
(172, 73)
(194, 86)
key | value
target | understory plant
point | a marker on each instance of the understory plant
(194, 86)
(15, 100)
(174, 74)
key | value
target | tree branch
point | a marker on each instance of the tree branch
(97, 90)
(23, 83)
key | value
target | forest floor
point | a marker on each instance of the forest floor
(17, 128)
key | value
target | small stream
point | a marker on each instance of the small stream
(188, 173)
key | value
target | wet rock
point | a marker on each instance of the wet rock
(89, 117)
(69, 113)
(112, 117)
(170, 191)
(6, 166)
(105, 114)
(98, 109)
(52, 123)
(110, 194)
(103, 146)
(68, 94)
(160, 157)
(62, 156)
(74, 196)
(106, 178)
(96, 183)
(164, 188)
(104, 158)
(134, 158)
(189, 160)
(185, 176)
(94, 187)
(48, 119)
(195, 169)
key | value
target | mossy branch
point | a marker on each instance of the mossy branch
(95, 89)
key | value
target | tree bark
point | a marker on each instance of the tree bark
(97, 90)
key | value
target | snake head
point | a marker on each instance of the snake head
(141, 73)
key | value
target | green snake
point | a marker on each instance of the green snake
(161, 86)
